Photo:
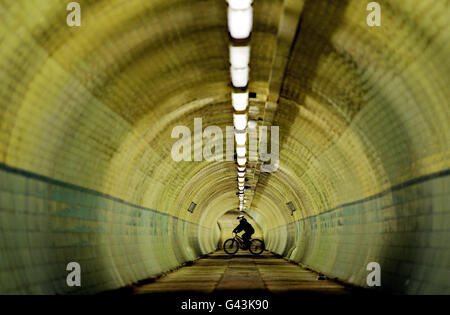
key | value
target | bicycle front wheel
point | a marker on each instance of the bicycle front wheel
(230, 246)
(256, 246)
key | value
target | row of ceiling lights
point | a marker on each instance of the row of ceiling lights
(240, 22)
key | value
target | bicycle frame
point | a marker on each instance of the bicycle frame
(239, 240)
(255, 249)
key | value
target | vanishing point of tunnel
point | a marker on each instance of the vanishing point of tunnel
(134, 132)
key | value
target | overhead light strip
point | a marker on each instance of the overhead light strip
(240, 24)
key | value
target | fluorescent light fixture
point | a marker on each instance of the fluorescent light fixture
(252, 124)
(239, 4)
(241, 151)
(240, 121)
(241, 169)
(241, 137)
(241, 161)
(241, 184)
(240, 22)
(241, 174)
(192, 207)
(240, 101)
(239, 56)
(241, 179)
(239, 76)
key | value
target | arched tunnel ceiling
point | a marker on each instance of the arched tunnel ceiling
(97, 104)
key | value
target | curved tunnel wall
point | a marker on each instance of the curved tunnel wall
(376, 187)
(86, 116)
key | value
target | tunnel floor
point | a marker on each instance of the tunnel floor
(219, 273)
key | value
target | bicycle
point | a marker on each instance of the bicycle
(232, 245)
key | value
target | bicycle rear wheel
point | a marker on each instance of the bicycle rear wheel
(256, 246)
(231, 246)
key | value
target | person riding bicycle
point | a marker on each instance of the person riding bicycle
(247, 227)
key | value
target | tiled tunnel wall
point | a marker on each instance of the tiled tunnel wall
(378, 190)
(404, 229)
(85, 120)
(79, 182)
(45, 224)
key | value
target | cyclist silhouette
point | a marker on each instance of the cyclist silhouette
(247, 227)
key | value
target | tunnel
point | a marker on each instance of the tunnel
(91, 115)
